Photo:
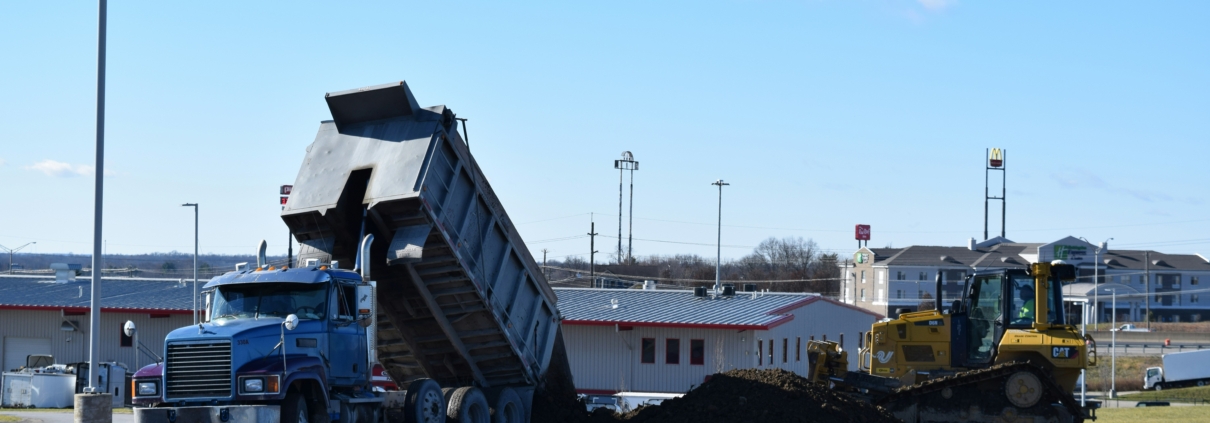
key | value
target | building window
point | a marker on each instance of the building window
(649, 350)
(1193, 298)
(798, 348)
(1193, 280)
(672, 351)
(862, 276)
(924, 276)
(126, 340)
(899, 293)
(760, 352)
(1124, 279)
(770, 352)
(881, 294)
(900, 275)
(881, 277)
(863, 294)
(697, 351)
(785, 350)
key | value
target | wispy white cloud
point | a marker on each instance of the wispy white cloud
(63, 170)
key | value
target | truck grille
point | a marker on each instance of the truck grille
(198, 370)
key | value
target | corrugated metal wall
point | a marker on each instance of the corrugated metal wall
(605, 359)
(71, 347)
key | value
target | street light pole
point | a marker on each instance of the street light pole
(10, 254)
(94, 301)
(1113, 349)
(718, 262)
(195, 224)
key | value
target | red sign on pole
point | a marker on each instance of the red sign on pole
(285, 190)
(863, 232)
(283, 200)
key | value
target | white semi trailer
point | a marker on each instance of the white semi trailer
(1190, 368)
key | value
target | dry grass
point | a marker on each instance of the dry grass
(8, 418)
(1152, 414)
(1129, 375)
(1194, 394)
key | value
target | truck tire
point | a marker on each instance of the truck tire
(468, 405)
(1159, 386)
(294, 409)
(506, 406)
(423, 402)
(1201, 382)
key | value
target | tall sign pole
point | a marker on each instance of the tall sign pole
(285, 196)
(995, 161)
(718, 261)
(626, 163)
(94, 325)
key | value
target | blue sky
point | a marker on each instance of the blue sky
(821, 114)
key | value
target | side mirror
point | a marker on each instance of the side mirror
(291, 321)
(365, 301)
(128, 328)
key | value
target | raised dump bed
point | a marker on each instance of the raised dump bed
(460, 299)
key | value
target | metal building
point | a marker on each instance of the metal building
(41, 315)
(631, 340)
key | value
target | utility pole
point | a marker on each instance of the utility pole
(195, 232)
(1113, 350)
(544, 264)
(718, 262)
(592, 255)
(1146, 287)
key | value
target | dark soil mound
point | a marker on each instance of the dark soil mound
(752, 395)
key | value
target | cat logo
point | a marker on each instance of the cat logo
(996, 158)
(884, 357)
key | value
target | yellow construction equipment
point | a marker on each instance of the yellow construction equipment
(1002, 352)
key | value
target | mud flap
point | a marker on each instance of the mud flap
(210, 414)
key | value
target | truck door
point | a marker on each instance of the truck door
(346, 339)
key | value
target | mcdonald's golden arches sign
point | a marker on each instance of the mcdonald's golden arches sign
(995, 158)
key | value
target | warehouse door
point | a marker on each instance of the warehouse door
(16, 349)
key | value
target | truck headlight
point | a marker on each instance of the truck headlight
(148, 389)
(267, 384)
(254, 384)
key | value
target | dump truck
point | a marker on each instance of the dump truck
(1180, 369)
(455, 309)
(1002, 352)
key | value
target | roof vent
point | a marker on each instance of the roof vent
(699, 292)
(613, 303)
(970, 245)
(728, 289)
(649, 285)
(65, 273)
(749, 287)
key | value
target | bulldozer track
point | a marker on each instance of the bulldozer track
(930, 393)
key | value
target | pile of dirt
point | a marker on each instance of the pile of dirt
(752, 395)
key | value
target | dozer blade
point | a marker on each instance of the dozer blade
(1009, 392)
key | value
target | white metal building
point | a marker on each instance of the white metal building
(670, 341)
(40, 315)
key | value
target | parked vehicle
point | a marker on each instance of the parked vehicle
(455, 301)
(1130, 328)
(1189, 368)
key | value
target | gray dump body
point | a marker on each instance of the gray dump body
(460, 298)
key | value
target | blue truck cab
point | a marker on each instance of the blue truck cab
(274, 341)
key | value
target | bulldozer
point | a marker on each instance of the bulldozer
(1002, 352)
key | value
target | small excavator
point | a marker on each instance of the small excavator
(1003, 352)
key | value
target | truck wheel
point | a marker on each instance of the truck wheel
(1201, 383)
(468, 405)
(1159, 386)
(423, 402)
(294, 409)
(506, 406)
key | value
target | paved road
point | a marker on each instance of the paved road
(60, 416)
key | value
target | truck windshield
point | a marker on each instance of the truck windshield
(269, 300)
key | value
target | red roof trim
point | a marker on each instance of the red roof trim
(780, 321)
(86, 309)
(672, 324)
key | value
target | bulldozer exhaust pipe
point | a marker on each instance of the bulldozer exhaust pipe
(938, 300)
